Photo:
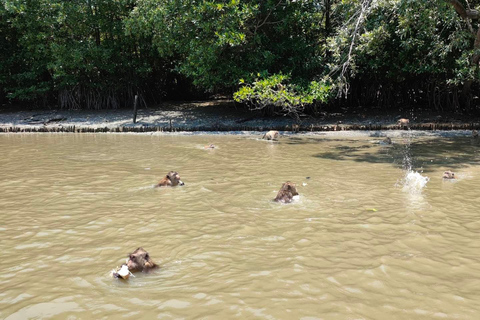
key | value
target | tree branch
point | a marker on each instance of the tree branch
(464, 13)
(476, 46)
(365, 5)
(260, 24)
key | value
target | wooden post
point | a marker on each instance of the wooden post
(135, 109)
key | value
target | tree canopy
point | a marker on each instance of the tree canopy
(282, 55)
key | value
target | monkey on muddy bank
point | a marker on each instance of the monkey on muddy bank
(286, 193)
(271, 135)
(170, 180)
(402, 122)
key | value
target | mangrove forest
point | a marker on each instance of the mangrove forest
(278, 56)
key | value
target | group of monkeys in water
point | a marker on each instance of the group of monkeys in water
(285, 195)
(140, 261)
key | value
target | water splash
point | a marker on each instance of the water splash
(407, 158)
(414, 182)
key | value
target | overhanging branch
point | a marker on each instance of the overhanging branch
(464, 13)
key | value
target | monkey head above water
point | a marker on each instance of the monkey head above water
(140, 261)
(449, 175)
(170, 180)
(271, 135)
(287, 192)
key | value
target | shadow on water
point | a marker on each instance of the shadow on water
(426, 154)
(371, 153)
(301, 140)
(449, 152)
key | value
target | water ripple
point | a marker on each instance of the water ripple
(354, 246)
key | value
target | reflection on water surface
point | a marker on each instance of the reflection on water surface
(357, 245)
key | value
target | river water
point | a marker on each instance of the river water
(376, 234)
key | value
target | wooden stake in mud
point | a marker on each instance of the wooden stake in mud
(135, 109)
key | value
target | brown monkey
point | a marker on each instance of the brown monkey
(140, 261)
(449, 175)
(170, 180)
(286, 193)
(403, 122)
(271, 135)
(474, 134)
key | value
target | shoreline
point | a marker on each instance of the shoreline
(216, 116)
(226, 130)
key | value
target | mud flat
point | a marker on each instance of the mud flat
(215, 116)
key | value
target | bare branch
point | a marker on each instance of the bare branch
(260, 24)
(360, 20)
(476, 56)
(464, 13)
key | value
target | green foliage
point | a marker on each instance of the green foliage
(76, 49)
(215, 43)
(25, 54)
(93, 57)
(100, 53)
(280, 95)
(403, 39)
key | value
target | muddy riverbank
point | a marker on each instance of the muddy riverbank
(218, 115)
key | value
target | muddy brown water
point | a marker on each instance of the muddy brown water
(359, 244)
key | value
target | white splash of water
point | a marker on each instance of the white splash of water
(414, 182)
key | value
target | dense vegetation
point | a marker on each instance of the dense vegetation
(276, 55)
